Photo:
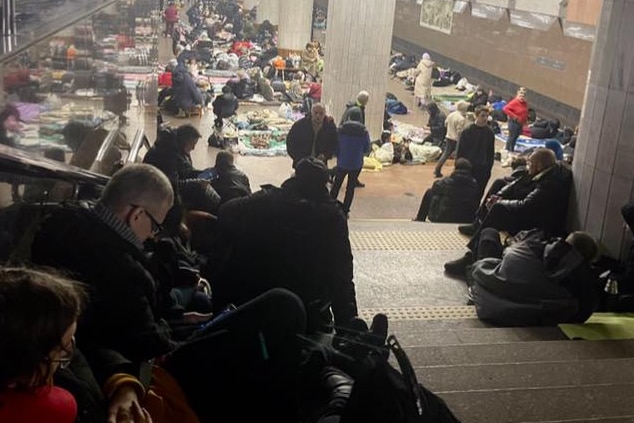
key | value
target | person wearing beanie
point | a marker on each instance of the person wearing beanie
(295, 237)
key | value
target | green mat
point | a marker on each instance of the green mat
(601, 326)
(449, 97)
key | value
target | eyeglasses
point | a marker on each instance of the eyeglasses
(64, 362)
(156, 226)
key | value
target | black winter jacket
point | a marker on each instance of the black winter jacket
(231, 183)
(477, 144)
(225, 105)
(299, 142)
(455, 198)
(126, 301)
(545, 204)
(283, 237)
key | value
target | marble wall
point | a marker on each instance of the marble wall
(296, 19)
(358, 43)
(269, 10)
(604, 157)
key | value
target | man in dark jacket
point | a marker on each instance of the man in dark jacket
(536, 281)
(102, 246)
(451, 199)
(358, 104)
(520, 189)
(295, 237)
(314, 135)
(477, 144)
(224, 106)
(172, 155)
(543, 207)
(229, 181)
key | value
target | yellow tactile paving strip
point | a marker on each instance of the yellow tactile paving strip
(421, 313)
(406, 240)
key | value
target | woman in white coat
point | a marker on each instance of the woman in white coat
(422, 84)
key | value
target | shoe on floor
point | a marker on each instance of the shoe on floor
(459, 267)
(181, 114)
(359, 184)
(469, 229)
(438, 175)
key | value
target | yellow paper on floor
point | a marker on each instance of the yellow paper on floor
(601, 326)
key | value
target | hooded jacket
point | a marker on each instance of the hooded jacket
(455, 198)
(354, 143)
(185, 92)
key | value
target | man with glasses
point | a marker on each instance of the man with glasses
(477, 144)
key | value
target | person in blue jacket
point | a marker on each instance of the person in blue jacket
(354, 143)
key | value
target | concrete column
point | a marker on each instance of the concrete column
(296, 20)
(604, 156)
(269, 10)
(358, 43)
(249, 4)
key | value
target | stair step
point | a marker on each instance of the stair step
(519, 352)
(526, 375)
(542, 404)
(398, 326)
(438, 337)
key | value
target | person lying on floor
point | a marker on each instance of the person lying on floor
(536, 281)
(452, 199)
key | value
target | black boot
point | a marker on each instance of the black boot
(459, 267)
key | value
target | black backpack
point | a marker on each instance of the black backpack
(382, 394)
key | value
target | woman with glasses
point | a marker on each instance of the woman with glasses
(38, 318)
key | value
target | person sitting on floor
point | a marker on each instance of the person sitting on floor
(452, 199)
(229, 181)
(536, 281)
(224, 106)
(519, 172)
(172, 155)
(544, 205)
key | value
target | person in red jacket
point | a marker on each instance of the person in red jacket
(171, 17)
(517, 112)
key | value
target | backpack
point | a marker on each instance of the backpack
(382, 394)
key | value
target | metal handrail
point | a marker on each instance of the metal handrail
(139, 141)
(106, 145)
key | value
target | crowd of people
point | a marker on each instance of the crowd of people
(179, 290)
(220, 39)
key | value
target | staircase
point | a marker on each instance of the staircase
(526, 375)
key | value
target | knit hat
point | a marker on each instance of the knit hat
(426, 56)
(311, 172)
